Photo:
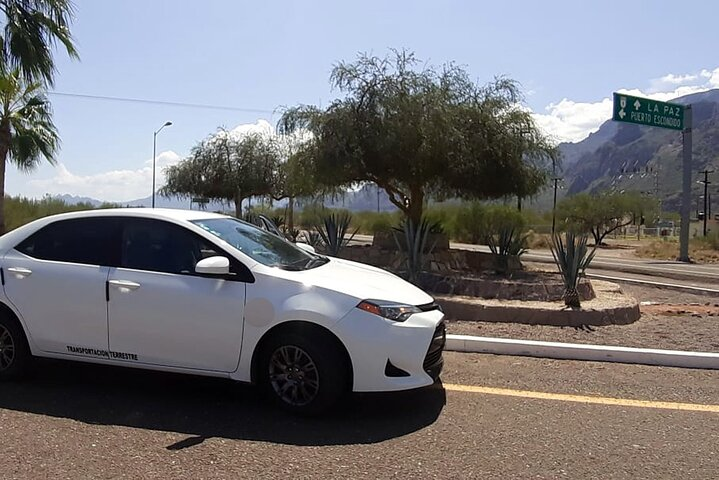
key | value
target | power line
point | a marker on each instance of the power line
(161, 102)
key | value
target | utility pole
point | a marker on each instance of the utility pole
(706, 183)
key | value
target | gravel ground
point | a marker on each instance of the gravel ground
(696, 329)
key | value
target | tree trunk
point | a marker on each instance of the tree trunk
(238, 205)
(416, 205)
(290, 214)
(3, 156)
(5, 137)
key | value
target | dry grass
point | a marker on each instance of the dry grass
(700, 250)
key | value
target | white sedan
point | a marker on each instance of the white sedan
(207, 294)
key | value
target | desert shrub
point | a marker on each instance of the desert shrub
(538, 240)
(443, 217)
(471, 223)
(499, 226)
(369, 222)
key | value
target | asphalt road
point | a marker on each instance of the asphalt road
(610, 262)
(494, 417)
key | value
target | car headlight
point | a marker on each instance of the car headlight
(397, 312)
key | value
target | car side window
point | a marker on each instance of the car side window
(159, 246)
(90, 241)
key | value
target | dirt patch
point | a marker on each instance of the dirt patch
(699, 251)
(659, 326)
(709, 309)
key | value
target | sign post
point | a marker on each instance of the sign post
(652, 113)
(686, 186)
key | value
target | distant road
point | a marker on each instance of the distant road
(611, 261)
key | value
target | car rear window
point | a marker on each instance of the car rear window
(91, 241)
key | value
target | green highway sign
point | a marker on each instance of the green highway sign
(644, 111)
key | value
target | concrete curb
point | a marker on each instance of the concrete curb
(573, 351)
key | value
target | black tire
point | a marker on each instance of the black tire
(304, 373)
(14, 351)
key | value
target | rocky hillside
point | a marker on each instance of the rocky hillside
(632, 157)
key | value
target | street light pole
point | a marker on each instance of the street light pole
(154, 155)
(554, 204)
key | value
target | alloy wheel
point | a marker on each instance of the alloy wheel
(293, 375)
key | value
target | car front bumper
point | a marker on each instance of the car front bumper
(391, 356)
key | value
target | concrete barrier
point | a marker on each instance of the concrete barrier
(575, 351)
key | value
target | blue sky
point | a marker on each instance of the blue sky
(568, 55)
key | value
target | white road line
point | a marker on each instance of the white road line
(656, 284)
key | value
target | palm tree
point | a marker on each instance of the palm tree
(32, 28)
(27, 134)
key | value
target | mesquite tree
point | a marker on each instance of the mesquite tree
(422, 131)
(226, 167)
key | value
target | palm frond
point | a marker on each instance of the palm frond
(32, 29)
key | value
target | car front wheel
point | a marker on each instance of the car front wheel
(303, 375)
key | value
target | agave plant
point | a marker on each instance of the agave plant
(414, 241)
(508, 241)
(572, 258)
(333, 231)
(291, 233)
(278, 220)
(312, 238)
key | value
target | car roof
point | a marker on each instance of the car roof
(11, 238)
(167, 213)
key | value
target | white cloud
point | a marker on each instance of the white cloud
(262, 127)
(113, 186)
(569, 121)
(126, 185)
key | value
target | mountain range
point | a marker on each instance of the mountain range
(623, 156)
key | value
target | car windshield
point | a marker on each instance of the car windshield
(260, 245)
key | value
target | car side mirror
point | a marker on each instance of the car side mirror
(306, 247)
(213, 266)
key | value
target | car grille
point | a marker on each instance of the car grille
(433, 359)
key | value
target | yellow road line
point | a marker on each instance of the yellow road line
(562, 397)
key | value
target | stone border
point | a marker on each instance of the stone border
(575, 351)
(610, 308)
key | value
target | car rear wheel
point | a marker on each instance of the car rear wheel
(14, 352)
(303, 375)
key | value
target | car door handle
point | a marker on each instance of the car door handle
(20, 272)
(124, 284)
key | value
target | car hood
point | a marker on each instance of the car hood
(361, 281)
